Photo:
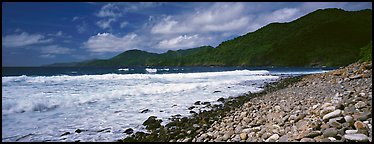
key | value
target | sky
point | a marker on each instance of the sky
(40, 33)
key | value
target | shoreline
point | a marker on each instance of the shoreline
(184, 127)
(259, 117)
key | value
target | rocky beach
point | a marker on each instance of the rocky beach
(330, 107)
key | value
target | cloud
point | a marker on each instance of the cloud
(55, 49)
(312, 6)
(124, 24)
(104, 24)
(179, 42)
(75, 18)
(47, 56)
(24, 39)
(107, 42)
(82, 27)
(110, 10)
(217, 18)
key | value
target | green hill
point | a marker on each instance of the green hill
(328, 37)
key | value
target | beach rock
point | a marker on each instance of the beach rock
(197, 103)
(216, 91)
(283, 138)
(348, 119)
(192, 107)
(66, 133)
(360, 125)
(356, 137)
(330, 132)
(334, 123)
(145, 111)
(78, 131)
(351, 131)
(225, 136)
(333, 114)
(187, 140)
(313, 134)
(129, 131)
(307, 140)
(243, 136)
(195, 126)
(221, 99)
(360, 105)
(272, 138)
(277, 108)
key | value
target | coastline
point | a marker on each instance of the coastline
(292, 109)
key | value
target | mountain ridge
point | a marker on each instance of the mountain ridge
(325, 37)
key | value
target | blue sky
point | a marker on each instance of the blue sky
(35, 34)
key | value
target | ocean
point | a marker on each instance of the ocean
(42, 103)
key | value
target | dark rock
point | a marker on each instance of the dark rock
(197, 103)
(173, 105)
(103, 130)
(129, 131)
(78, 131)
(216, 91)
(192, 107)
(193, 112)
(145, 111)
(221, 99)
(66, 133)
(152, 123)
(205, 103)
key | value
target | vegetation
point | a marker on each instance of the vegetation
(328, 37)
(365, 53)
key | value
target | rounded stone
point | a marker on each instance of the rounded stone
(307, 140)
(243, 136)
(272, 138)
(330, 132)
(333, 114)
(360, 125)
(360, 104)
(356, 137)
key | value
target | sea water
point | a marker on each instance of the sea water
(40, 104)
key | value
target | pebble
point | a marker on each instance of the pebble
(313, 134)
(360, 104)
(330, 132)
(333, 114)
(356, 137)
(272, 138)
(243, 136)
(225, 136)
(307, 140)
(360, 125)
(348, 119)
(283, 138)
(351, 131)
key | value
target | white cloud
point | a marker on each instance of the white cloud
(104, 24)
(75, 18)
(47, 56)
(106, 42)
(312, 6)
(23, 39)
(55, 49)
(82, 27)
(217, 18)
(182, 41)
(110, 10)
(124, 24)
